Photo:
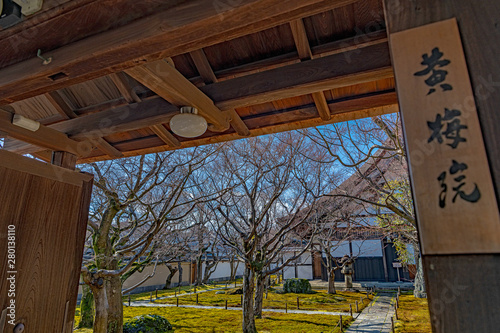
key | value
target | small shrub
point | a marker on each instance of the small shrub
(148, 324)
(298, 286)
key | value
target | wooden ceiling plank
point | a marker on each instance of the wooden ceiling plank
(167, 33)
(162, 78)
(44, 137)
(305, 53)
(165, 135)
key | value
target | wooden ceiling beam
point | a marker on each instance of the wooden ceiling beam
(336, 118)
(103, 49)
(162, 78)
(44, 137)
(338, 70)
(344, 107)
(305, 53)
(120, 81)
(367, 64)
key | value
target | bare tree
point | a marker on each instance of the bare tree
(374, 150)
(270, 183)
(133, 201)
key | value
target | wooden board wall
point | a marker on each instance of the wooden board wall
(48, 206)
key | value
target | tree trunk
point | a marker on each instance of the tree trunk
(331, 282)
(209, 269)
(101, 309)
(115, 312)
(248, 323)
(199, 271)
(86, 308)
(259, 295)
(419, 284)
(234, 269)
(172, 271)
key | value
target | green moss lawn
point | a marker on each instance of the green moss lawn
(413, 315)
(203, 321)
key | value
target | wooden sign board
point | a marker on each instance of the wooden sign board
(454, 197)
(397, 265)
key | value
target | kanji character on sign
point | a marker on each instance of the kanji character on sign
(433, 63)
(453, 128)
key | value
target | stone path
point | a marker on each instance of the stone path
(162, 305)
(375, 318)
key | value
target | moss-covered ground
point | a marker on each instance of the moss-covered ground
(319, 300)
(413, 315)
(203, 321)
(215, 320)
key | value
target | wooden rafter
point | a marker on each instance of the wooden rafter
(305, 53)
(65, 110)
(207, 74)
(171, 31)
(130, 96)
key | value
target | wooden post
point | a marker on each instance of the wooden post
(357, 307)
(298, 305)
(177, 301)
(460, 280)
(397, 302)
(226, 304)
(341, 324)
(128, 299)
(286, 307)
(396, 312)
(392, 322)
(350, 309)
(399, 291)
(197, 298)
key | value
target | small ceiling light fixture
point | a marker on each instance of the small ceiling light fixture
(26, 123)
(188, 123)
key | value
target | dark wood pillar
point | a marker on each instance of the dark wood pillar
(464, 288)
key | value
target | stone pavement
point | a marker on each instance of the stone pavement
(375, 318)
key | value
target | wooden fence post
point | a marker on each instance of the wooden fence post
(298, 305)
(341, 324)
(128, 299)
(177, 301)
(226, 304)
(350, 309)
(357, 307)
(286, 307)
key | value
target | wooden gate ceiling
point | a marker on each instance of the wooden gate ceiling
(121, 69)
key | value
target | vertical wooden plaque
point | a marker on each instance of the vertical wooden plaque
(454, 196)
